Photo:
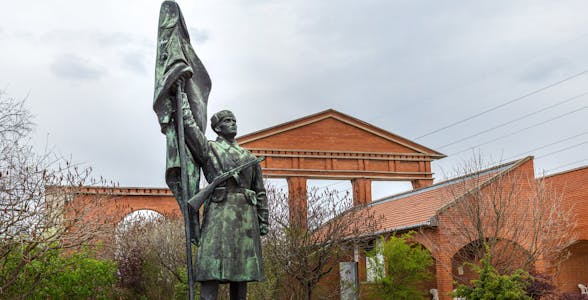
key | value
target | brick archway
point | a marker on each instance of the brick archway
(119, 202)
(463, 273)
(116, 203)
(573, 270)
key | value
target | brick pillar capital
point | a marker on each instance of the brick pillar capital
(419, 183)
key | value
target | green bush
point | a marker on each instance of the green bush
(491, 285)
(404, 269)
(59, 276)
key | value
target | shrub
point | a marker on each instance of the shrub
(60, 276)
(540, 286)
(492, 285)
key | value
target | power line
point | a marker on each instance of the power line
(545, 146)
(564, 149)
(568, 164)
(504, 104)
(523, 129)
(513, 120)
(332, 184)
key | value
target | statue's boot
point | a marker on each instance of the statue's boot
(209, 290)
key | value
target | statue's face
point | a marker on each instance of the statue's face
(227, 127)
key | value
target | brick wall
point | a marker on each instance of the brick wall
(116, 203)
(574, 270)
(573, 186)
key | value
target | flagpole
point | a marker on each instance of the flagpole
(184, 184)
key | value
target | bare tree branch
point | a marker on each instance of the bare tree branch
(308, 255)
(36, 215)
(520, 218)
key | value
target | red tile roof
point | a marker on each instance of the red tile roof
(418, 207)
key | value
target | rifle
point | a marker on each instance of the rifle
(197, 200)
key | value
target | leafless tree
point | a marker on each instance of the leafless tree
(520, 218)
(150, 252)
(15, 120)
(36, 189)
(306, 252)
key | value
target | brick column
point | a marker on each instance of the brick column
(444, 278)
(297, 200)
(419, 183)
(362, 191)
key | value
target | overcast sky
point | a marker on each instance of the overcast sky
(409, 67)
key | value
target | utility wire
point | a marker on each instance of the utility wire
(545, 146)
(568, 164)
(504, 104)
(331, 184)
(523, 129)
(564, 149)
(513, 120)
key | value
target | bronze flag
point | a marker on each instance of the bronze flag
(176, 58)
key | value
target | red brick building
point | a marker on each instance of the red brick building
(572, 184)
(440, 214)
(332, 145)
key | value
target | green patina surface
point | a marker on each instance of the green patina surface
(236, 214)
(234, 217)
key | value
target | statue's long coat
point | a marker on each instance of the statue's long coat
(230, 246)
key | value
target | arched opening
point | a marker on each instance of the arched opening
(149, 250)
(574, 270)
(507, 256)
(371, 267)
(138, 217)
(132, 231)
(431, 283)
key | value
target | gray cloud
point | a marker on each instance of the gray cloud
(73, 67)
(122, 39)
(113, 39)
(134, 61)
(198, 36)
(22, 35)
(547, 69)
(62, 36)
(406, 66)
(95, 37)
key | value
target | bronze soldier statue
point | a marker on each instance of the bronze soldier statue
(235, 213)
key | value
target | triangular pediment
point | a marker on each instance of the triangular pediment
(332, 131)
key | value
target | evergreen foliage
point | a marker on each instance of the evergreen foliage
(491, 285)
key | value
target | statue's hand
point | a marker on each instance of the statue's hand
(179, 83)
(182, 79)
(187, 112)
